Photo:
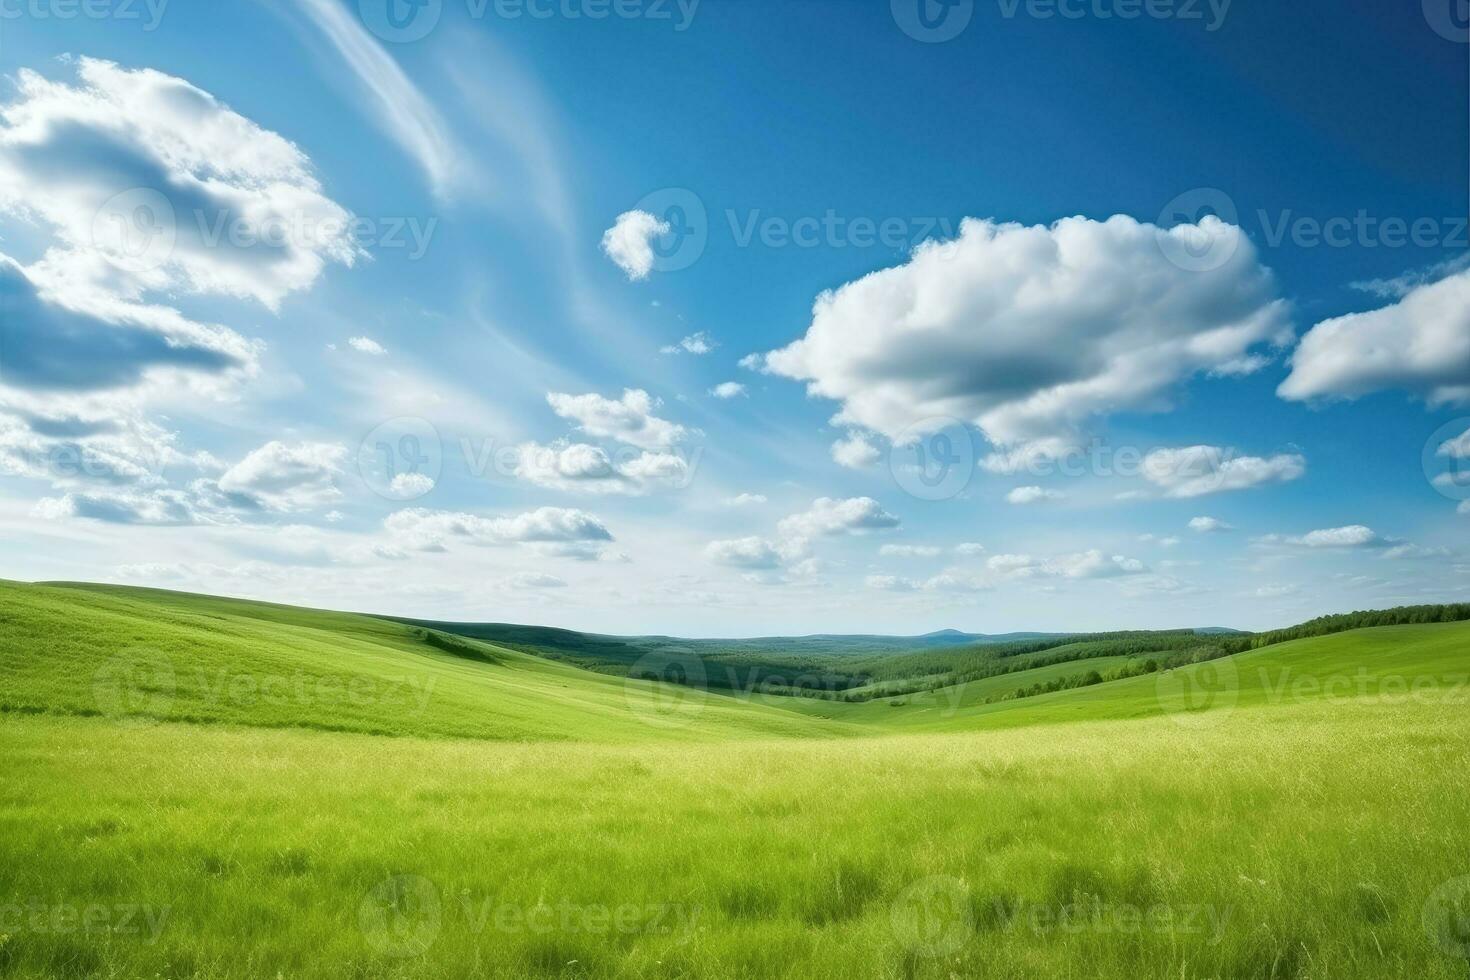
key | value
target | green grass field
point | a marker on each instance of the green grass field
(201, 787)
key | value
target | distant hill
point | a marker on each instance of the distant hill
(628, 649)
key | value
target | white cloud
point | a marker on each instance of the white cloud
(1352, 536)
(401, 110)
(629, 419)
(584, 468)
(1195, 471)
(1420, 343)
(410, 486)
(1032, 495)
(367, 345)
(727, 390)
(969, 549)
(1209, 525)
(939, 583)
(1079, 565)
(150, 184)
(629, 242)
(909, 551)
(287, 477)
(695, 343)
(67, 338)
(745, 500)
(1276, 591)
(1164, 542)
(1456, 448)
(1028, 331)
(750, 553)
(829, 516)
(855, 452)
(431, 530)
(159, 507)
(534, 580)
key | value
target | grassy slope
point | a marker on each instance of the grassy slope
(1276, 845)
(115, 651)
(1259, 830)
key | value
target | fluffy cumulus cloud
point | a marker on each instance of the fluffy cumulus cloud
(119, 478)
(1033, 495)
(1208, 525)
(287, 477)
(169, 189)
(1028, 331)
(433, 530)
(1078, 565)
(855, 452)
(1351, 536)
(1421, 344)
(909, 551)
(629, 419)
(946, 582)
(726, 390)
(64, 341)
(753, 553)
(1195, 471)
(695, 343)
(583, 468)
(745, 500)
(367, 345)
(162, 507)
(629, 242)
(829, 516)
(1456, 448)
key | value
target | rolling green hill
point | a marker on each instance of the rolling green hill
(89, 650)
(210, 788)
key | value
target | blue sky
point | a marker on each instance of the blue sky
(739, 318)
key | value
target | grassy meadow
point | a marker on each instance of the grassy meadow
(200, 787)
